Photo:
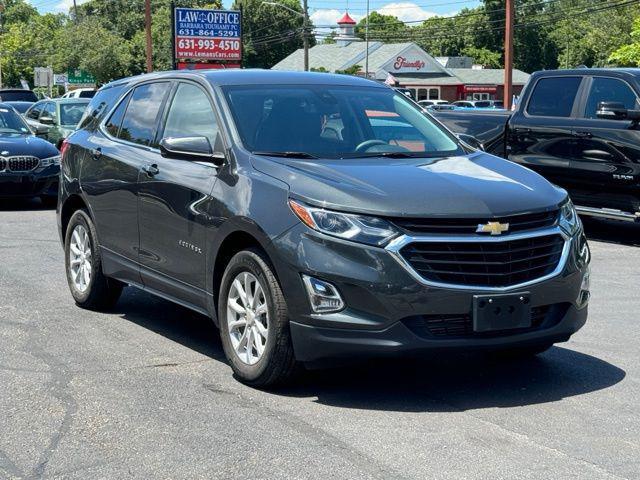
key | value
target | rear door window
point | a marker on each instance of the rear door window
(554, 97)
(609, 90)
(140, 121)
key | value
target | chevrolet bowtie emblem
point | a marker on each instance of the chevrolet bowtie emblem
(494, 228)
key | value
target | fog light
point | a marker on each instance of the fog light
(585, 287)
(323, 296)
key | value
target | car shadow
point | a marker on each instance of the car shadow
(451, 382)
(24, 204)
(172, 321)
(611, 231)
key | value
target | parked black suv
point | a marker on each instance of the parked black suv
(313, 217)
(580, 129)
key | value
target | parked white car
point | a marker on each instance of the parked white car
(80, 93)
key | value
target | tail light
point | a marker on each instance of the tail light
(63, 149)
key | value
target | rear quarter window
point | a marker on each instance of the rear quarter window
(101, 104)
(554, 97)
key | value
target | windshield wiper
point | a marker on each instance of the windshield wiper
(286, 154)
(386, 154)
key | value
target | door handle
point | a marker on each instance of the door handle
(151, 169)
(583, 134)
(521, 130)
(96, 153)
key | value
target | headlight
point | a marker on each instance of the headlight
(358, 228)
(569, 220)
(47, 162)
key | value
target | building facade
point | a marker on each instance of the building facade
(405, 65)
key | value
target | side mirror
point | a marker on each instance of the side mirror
(46, 120)
(470, 141)
(616, 111)
(190, 148)
(40, 130)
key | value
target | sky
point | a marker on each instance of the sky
(326, 12)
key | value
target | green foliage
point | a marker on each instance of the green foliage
(352, 70)
(271, 33)
(379, 25)
(629, 55)
(106, 38)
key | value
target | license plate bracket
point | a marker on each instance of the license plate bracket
(501, 312)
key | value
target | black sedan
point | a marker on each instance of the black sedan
(29, 166)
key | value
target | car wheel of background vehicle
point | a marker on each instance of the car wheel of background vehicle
(83, 264)
(522, 352)
(254, 324)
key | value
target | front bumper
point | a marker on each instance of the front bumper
(30, 184)
(385, 303)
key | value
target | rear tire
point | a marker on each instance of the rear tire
(83, 264)
(521, 353)
(254, 328)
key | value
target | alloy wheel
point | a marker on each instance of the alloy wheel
(80, 264)
(247, 318)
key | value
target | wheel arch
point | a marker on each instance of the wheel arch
(72, 204)
(245, 234)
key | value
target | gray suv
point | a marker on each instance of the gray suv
(314, 217)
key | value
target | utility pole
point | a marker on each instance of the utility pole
(147, 26)
(366, 41)
(508, 54)
(305, 38)
(75, 12)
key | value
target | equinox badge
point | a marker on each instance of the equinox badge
(494, 228)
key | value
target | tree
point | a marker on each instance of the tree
(483, 56)
(271, 33)
(380, 26)
(629, 55)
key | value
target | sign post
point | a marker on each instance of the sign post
(210, 36)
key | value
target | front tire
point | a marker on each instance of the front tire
(83, 264)
(254, 324)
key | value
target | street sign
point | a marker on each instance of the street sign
(60, 79)
(207, 34)
(42, 76)
(77, 76)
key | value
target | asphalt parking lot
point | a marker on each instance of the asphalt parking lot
(144, 391)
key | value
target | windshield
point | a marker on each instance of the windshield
(11, 122)
(71, 113)
(18, 96)
(334, 122)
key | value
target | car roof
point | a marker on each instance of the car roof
(65, 100)
(590, 71)
(254, 77)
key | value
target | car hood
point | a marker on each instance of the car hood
(477, 185)
(17, 144)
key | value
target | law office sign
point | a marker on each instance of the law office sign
(202, 34)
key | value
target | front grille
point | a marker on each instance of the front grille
(3, 164)
(461, 325)
(22, 164)
(484, 263)
(455, 226)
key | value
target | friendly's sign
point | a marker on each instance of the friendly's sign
(207, 34)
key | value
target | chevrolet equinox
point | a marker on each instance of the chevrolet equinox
(314, 217)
